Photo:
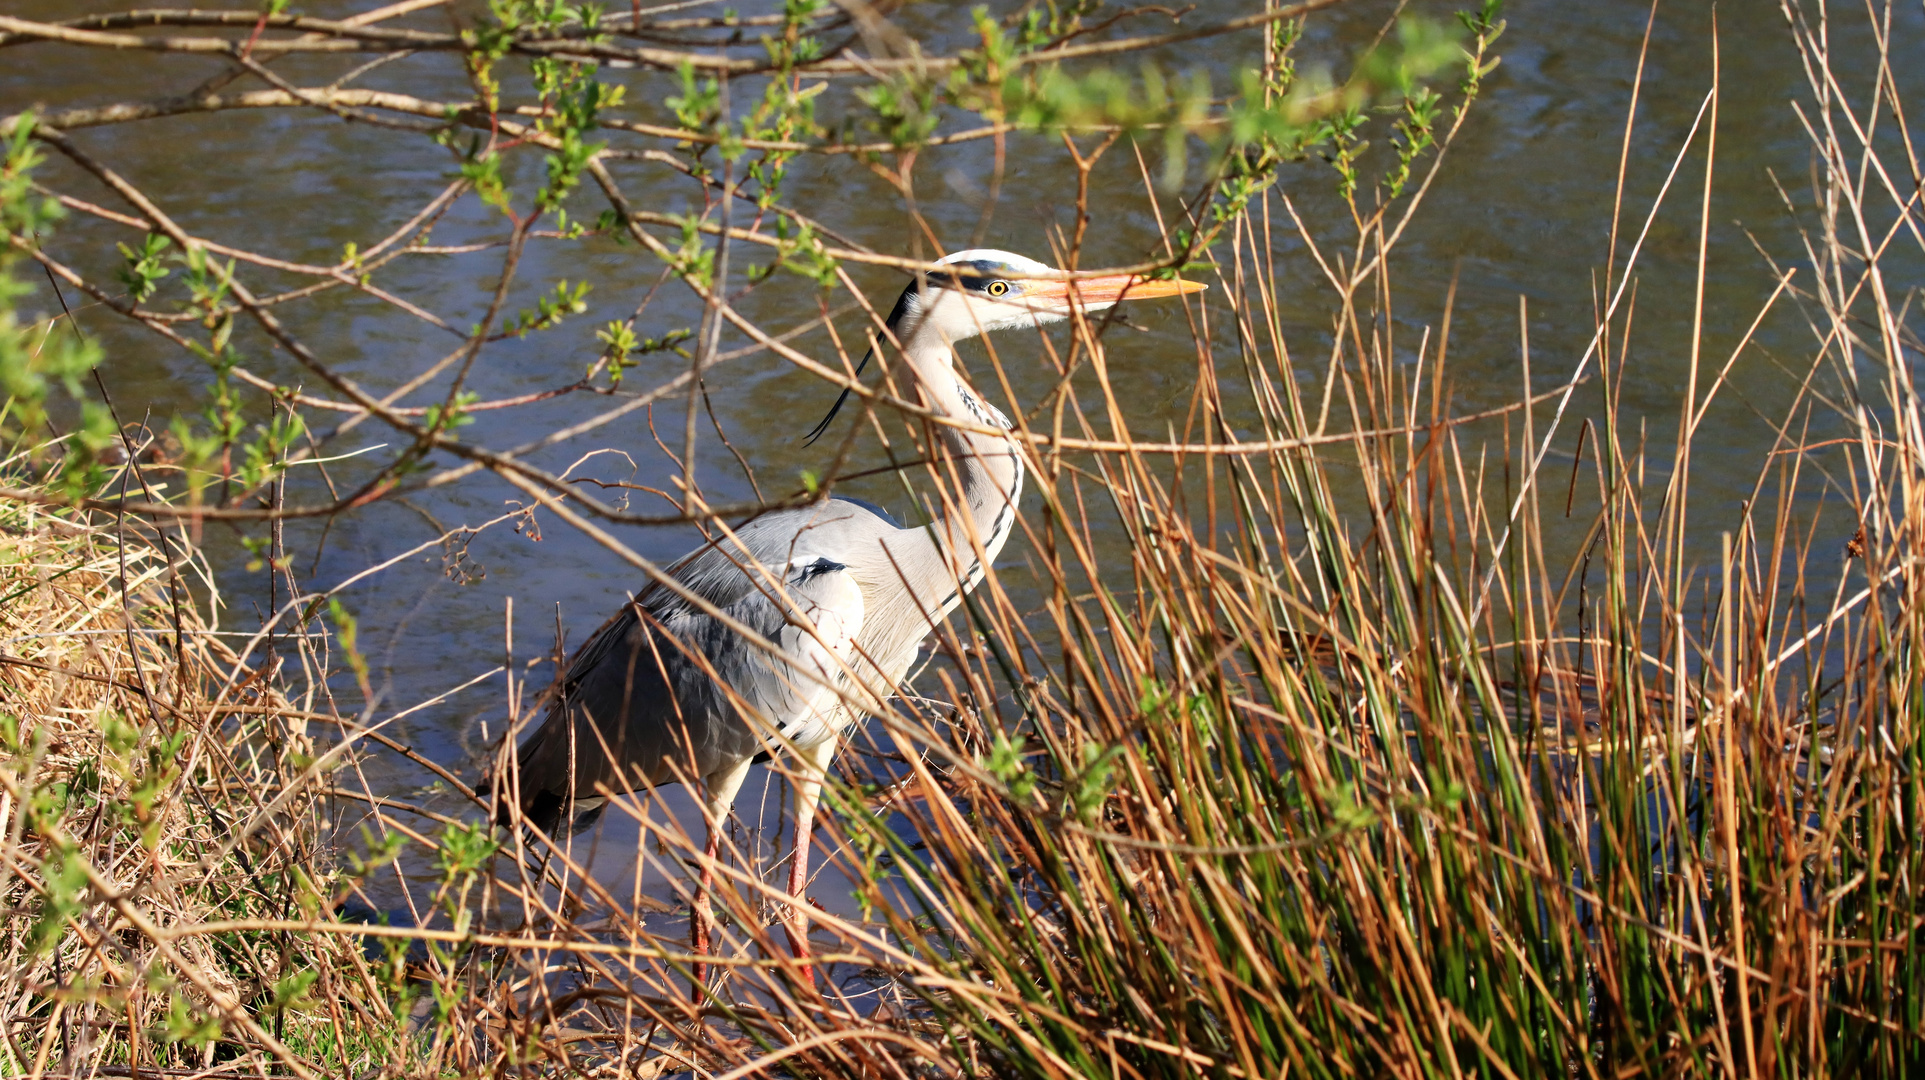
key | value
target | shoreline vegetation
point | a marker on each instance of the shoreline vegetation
(1390, 741)
(141, 772)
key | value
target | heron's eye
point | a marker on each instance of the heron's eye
(997, 288)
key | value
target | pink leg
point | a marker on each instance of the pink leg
(797, 924)
(808, 792)
(701, 919)
(721, 788)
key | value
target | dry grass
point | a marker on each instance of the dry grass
(137, 806)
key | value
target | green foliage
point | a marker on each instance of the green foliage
(795, 45)
(258, 548)
(376, 850)
(573, 101)
(693, 261)
(784, 115)
(464, 850)
(39, 356)
(291, 992)
(208, 287)
(988, 79)
(482, 170)
(549, 311)
(347, 635)
(1417, 132)
(146, 766)
(187, 1024)
(1346, 810)
(263, 458)
(145, 268)
(621, 346)
(220, 445)
(65, 883)
(799, 251)
(1005, 761)
(1274, 117)
(1093, 784)
(698, 107)
(570, 99)
(609, 223)
(902, 109)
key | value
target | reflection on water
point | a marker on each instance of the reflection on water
(1520, 214)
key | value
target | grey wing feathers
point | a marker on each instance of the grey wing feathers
(666, 691)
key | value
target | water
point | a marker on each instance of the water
(1522, 210)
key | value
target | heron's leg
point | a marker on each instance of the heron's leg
(812, 767)
(720, 788)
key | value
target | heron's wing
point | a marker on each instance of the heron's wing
(595, 650)
(816, 649)
(726, 572)
(710, 573)
(665, 690)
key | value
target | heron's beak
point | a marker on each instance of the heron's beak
(1090, 292)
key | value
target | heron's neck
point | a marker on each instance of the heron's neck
(989, 467)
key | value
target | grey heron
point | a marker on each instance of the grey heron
(839, 595)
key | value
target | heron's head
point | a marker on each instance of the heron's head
(981, 290)
(984, 290)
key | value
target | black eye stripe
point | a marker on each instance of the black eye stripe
(975, 276)
(980, 269)
(968, 283)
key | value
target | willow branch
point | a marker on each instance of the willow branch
(341, 37)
